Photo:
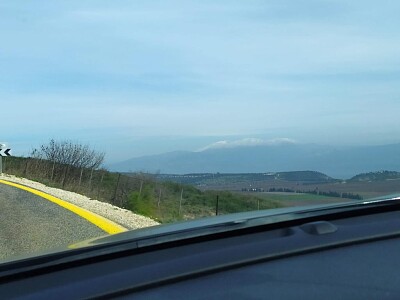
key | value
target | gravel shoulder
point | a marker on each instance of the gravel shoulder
(124, 217)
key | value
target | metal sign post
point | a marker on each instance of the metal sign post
(1, 158)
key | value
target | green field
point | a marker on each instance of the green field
(290, 199)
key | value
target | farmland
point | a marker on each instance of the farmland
(297, 186)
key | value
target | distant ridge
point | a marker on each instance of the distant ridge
(342, 163)
(377, 176)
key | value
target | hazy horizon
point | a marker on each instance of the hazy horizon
(260, 156)
(229, 142)
(134, 79)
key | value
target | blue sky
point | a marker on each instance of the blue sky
(142, 77)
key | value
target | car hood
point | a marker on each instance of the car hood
(180, 230)
(205, 227)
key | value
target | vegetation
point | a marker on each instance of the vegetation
(169, 201)
(318, 192)
(336, 194)
(77, 168)
(65, 160)
(304, 176)
(287, 182)
(169, 198)
(284, 197)
(222, 178)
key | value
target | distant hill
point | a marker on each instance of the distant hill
(304, 176)
(337, 162)
(376, 176)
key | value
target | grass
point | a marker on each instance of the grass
(294, 197)
(299, 199)
(170, 207)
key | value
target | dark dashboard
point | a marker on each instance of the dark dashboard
(330, 254)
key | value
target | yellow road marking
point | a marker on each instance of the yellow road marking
(101, 222)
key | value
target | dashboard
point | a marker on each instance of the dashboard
(346, 256)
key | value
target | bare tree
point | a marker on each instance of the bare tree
(68, 157)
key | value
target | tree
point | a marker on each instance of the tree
(67, 156)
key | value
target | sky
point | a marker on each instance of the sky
(134, 78)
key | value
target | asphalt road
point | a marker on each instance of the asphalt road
(31, 224)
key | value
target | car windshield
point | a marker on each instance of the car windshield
(121, 115)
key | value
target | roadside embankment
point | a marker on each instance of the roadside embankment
(124, 217)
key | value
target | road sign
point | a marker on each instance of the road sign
(5, 152)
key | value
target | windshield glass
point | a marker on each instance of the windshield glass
(123, 115)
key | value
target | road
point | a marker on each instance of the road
(29, 224)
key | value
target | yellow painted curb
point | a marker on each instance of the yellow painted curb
(101, 222)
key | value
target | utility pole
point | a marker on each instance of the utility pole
(216, 208)
(180, 202)
(140, 190)
(159, 199)
(52, 170)
(1, 159)
(91, 177)
(80, 177)
(116, 188)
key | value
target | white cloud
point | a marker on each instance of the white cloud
(247, 142)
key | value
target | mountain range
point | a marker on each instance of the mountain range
(337, 162)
